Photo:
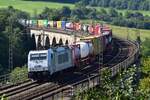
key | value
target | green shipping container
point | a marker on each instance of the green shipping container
(45, 23)
(34, 22)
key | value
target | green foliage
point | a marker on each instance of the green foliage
(146, 65)
(144, 87)
(123, 87)
(146, 47)
(19, 75)
(120, 4)
(20, 44)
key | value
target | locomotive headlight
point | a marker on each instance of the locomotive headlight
(30, 69)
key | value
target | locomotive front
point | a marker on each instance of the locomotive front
(38, 64)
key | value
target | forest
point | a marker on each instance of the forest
(120, 4)
(21, 43)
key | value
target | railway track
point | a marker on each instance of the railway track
(19, 88)
(124, 52)
(36, 91)
(5, 87)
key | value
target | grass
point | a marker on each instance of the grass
(31, 6)
(123, 31)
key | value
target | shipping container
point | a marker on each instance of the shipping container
(40, 23)
(69, 25)
(59, 24)
(45, 23)
(75, 52)
(96, 42)
(63, 24)
(91, 29)
(27, 22)
(97, 45)
(34, 23)
(85, 28)
(55, 24)
(84, 49)
(51, 23)
(77, 26)
(96, 30)
(30, 22)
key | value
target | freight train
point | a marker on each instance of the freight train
(44, 63)
(66, 25)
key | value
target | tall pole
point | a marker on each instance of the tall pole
(10, 45)
(127, 33)
(101, 49)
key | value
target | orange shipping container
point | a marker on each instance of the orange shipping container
(77, 26)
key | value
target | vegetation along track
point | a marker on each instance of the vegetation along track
(43, 91)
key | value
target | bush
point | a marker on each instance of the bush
(19, 75)
(144, 87)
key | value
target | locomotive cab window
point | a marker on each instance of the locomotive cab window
(39, 56)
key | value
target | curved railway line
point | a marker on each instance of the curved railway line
(37, 91)
(126, 48)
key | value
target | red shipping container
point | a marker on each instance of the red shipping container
(96, 30)
(54, 23)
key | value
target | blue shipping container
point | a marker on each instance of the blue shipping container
(63, 24)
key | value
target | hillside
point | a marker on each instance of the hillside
(62, 1)
(39, 5)
(30, 6)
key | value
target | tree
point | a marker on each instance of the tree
(7, 15)
(113, 13)
(65, 12)
(19, 75)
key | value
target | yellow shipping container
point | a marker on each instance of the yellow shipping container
(59, 24)
(40, 23)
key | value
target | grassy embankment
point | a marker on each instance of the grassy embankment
(31, 6)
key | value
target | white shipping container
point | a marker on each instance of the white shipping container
(84, 49)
